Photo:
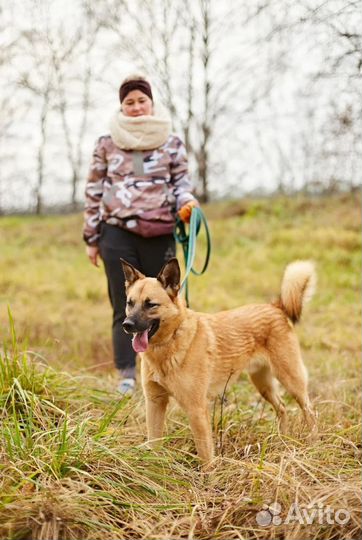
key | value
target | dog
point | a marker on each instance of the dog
(192, 356)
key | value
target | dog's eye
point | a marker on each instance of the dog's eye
(130, 303)
(149, 304)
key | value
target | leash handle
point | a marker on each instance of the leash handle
(188, 243)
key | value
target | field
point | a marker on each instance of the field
(73, 464)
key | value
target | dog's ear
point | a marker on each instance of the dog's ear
(169, 277)
(131, 273)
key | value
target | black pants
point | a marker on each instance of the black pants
(148, 255)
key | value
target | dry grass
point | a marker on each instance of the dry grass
(72, 461)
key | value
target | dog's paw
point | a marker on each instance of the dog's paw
(145, 446)
(313, 435)
(209, 466)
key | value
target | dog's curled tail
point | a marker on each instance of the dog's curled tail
(298, 286)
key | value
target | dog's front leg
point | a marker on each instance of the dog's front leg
(201, 429)
(156, 405)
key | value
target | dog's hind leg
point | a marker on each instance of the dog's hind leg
(266, 384)
(289, 369)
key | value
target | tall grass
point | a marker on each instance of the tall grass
(73, 464)
(71, 468)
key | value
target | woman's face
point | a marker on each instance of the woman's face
(136, 103)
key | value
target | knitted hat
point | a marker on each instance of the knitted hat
(136, 82)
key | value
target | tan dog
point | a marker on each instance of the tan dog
(192, 356)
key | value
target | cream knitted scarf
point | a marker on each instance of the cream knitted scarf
(141, 132)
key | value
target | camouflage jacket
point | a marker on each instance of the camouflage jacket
(122, 184)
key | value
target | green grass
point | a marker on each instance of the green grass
(72, 462)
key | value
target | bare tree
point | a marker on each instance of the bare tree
(9, 104)
(38, 80)
(341, 23)
(72, 65)
(329, 102)
(202, 154)
(59, 76)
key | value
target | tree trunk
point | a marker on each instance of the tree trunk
(41, 153)
(205, 127)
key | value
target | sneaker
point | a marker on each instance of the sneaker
(126, 386)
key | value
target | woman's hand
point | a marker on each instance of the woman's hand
(186, 209)
(93, 254)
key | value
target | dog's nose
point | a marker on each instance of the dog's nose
(128, 326)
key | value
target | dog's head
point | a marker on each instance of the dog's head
(150, 301)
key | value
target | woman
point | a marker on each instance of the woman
(138, 180)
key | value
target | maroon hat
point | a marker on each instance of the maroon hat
(137, 84)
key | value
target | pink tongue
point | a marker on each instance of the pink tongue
(140, 341)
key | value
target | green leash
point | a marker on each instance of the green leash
(188, 244)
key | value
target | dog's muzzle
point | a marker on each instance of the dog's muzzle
(129, 326)
(142, 333)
